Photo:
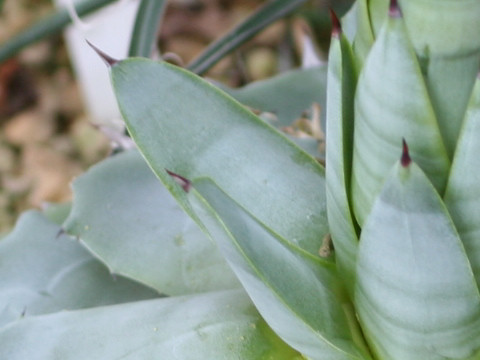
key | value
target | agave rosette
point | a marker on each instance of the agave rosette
(406, 228)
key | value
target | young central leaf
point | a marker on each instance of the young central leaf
(415, 292)
(391, 99)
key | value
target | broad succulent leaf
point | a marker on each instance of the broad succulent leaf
(298, 295)
(57, 212)
(392, 101)
(215, 325)
(415, 293)
(284, 98)
(341, 88)
(450, 82)
(211, 135)
(462, 196)
(286, 95)
(364, 37)
(444, 36)
(349, 22)
(123, 215)
(43, 273)
(445, 41)
(214, 137)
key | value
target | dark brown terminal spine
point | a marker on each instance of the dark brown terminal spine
(110, 61)
(394, 10)
(336, 26)
(405, 159)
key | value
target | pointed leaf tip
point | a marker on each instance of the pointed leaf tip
(405, 159)
(336, 26)
(180, 180)
(394, 10)
(110, 61)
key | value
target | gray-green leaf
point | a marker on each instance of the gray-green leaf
(184, 124)
(217, 325)
(123, 215)
(415, 294)
(299, 296)
(41, 273)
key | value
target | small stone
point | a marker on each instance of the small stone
(261, 63)
(28, 127)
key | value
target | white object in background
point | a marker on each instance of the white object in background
(110, 30)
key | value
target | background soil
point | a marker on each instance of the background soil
(46, 136)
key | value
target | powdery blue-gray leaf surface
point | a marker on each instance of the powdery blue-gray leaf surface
(217, 325)
(297, 294)
(184, 124)
(125, 216)
(462, 196)
(391, 102)
(341, 89)
(416, 295)
(41, 273)
(286, 95)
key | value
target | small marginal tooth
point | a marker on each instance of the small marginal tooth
(110, 61)
(180, 180)
(405, 159)
(336, 26)
(60, 233)
(394, 10)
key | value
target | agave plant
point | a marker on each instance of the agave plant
(406, 233)
(403, 279)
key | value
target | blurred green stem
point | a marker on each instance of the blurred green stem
(266, 15)
(147, 24)
(47, 26)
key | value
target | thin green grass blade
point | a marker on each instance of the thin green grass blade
(47, 26)
(340, 93)
(392, 103)
(416, 295)
(462, 196)
(146, 26)
(266, 15)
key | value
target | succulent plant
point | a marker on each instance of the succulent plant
(397, 200)
(403, 218)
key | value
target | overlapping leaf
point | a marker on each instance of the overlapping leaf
(124, 215)
(462, 196)
(286, 95)
(41, 273)
(297, 296)
(218, 325)
(214, 136)
(269, 196)
(416, 294)
(341, 89)
(392, 102)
